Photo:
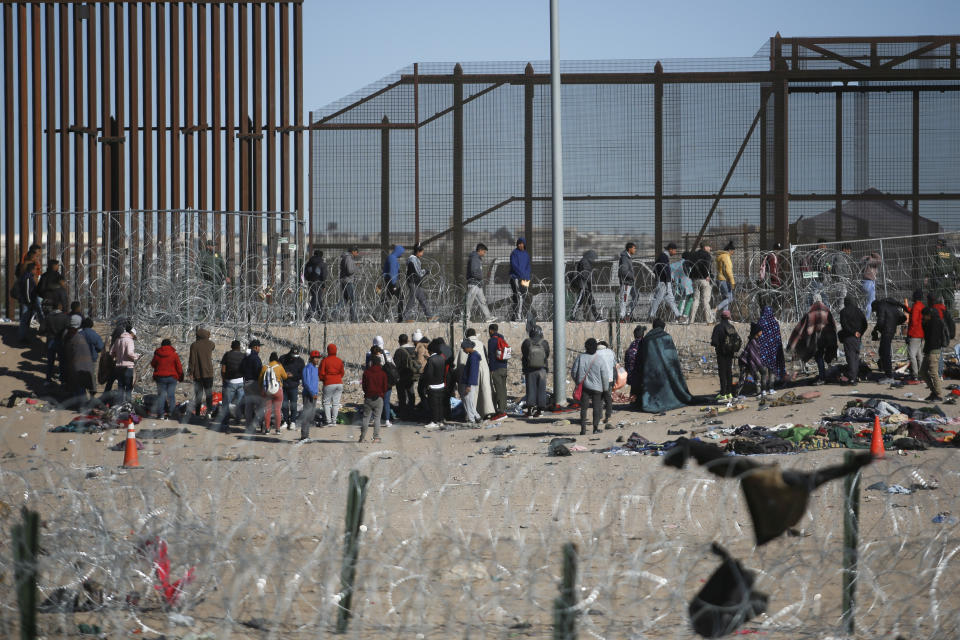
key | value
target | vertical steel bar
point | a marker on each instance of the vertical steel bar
(230, 140)
(658, 158)
(23, 172)
(163, 131)
(285, 112)
(189, 137)
(781, 223)
(63, 71)
(216, 124)
(270, 137)
(416, 152)
(78, 184)
(133, 107)
(9, 188)
(119, 101)
(106, 105)
(385, 186)
(556, 143)
(203, 179)
(256, 146)
(146, 28)
(50, 119)
(176, 202)
(528, 96)
(838, 170)
(298, 115)
(93, 175)
(458, 177)
(36, 119)
(243, 28)
(764, 230)
(915, 169)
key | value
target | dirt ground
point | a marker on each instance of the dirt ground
(461, 540)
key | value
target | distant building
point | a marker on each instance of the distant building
(870, 217)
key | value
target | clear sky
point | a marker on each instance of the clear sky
(348, 45)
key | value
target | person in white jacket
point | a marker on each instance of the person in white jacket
(610, 362)
(124, 359)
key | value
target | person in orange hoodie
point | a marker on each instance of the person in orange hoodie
(331, 376)
(167, 372)
(915, 333)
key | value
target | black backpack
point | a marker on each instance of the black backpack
(731, 343)
(392, 374)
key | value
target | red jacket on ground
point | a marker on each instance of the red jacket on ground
(374, 382)
(166, 363)
(331, 367)
(915, 328)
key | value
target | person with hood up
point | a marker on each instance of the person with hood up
(771, 344)
(751, 359)
(435, 382)
(627, 276)
(470, 380)
(390, 368)
(311, 389)
(315, 273)
(853, 324)
(273, 401)
(77, 363)
(915, 333)
(631, 359)
(415, 295)
(331, 374)
(48, 287)
(25, 291)
(582, 283)
(890, 315)
(664, 290)
(475, 283)
(391, 282)
(94, 341)
(535, 356)
(815, 336)
(201, 372)
(293, 364)
(725, 278)
(870, 265)
(662, 385)
(935, 338)
(348, 277)
(167, 372)
(520, 273)
(483, 403)
(590, 371)
(53, 326)
(724, 340)
(124, 359)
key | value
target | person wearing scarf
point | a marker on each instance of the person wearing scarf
(815, 336)
(751, 359)
(771, 344)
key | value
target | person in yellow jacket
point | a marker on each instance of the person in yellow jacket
(272, 391)
(725, 276)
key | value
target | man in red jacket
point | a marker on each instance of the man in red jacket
(167, 372)
(375, 386)
(915, 333)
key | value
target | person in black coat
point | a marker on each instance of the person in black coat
(293, 364)
(724, 357)
(582, 283)
(315, 272)
(890, 315)
(934, 339)
(435, 382)
(853, 324)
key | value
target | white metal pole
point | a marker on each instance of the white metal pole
(559, 290)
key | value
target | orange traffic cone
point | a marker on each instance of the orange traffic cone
(876, 443)
(131, 460)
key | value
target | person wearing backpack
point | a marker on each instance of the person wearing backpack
(331, 375)
(890, 315)
(293, 364)
(726, 342)
(271, 379)
(590, 371)
(408, 373)
(499, 353)
(535, 352)
(315, 273)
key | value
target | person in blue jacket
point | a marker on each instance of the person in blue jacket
(520, 272)
(470, 381)
(391, 281)
(311, 389)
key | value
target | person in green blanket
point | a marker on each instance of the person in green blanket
(661, 381)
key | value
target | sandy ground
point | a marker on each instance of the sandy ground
(460, 541)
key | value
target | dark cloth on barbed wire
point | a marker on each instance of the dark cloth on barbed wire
(815, 333)
(662, 385)
(771, 343)
(727, 600)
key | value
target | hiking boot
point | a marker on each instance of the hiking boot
(583, 431)
(933, 398)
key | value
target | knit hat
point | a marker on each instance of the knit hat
(725, 314)
(314, 354)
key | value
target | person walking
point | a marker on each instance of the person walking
(470, 381)
(25, 291)
(167, 372)
(627, 276)
(725, 278)
(408, 374)
(870, 265)
(751, 359)
(521, 271)
(271, 379)
(201, 372)
(348, 276)
(293, 364)
(315, 273)
(475, 283)
(415, 294)
(890, 314)
(726, 343)
(664, 289)
(935, 338)
(535, 354)
(915, 334)
(124, 359)
(499, 354)
(853, 324)
(311, 389)
(231, 375)
(435, 383)
(701, 262)
(77, 363)
(374, 385)
(583, 284)
(331, 374)
(391, 282)
(250, 368)
(590, 374)
(609, 359)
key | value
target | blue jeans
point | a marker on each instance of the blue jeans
(387, 412)
(232, 394)
(289, 406)
(870, 288)
(726, 292)
(166, 395)
(26, 314)
(125, 383)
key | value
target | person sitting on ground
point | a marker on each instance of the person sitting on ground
(726, 342)
(751, 359)
(331, 375)
(853, 324)
(935, 338)
(890, 315)
(374, 385)
(167, 372)
(663, 386)
(815, 336)
(272, 391)
(590, 371)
